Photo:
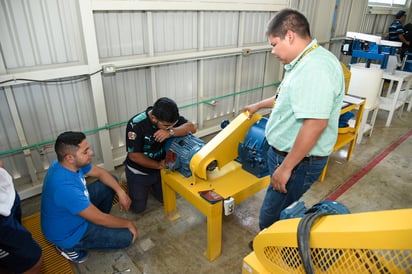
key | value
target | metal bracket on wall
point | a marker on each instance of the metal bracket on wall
(109, 69)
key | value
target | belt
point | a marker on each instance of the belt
(284, 154)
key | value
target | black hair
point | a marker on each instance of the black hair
(68, 142)
(399, 14)
(165, 110)
(288, 19)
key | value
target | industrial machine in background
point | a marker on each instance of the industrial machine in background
(371, 58)
(372, 48)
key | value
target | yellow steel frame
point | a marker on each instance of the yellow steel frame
(348, 137)
(228, 180)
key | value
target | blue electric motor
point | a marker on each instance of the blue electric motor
(253, 151)
(326, 257)
(298, 209)
(179, 152)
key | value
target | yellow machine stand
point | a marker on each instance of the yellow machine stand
(370, 242)
(228, 179)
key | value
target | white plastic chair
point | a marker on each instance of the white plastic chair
(407, 66)
(366, 83)
(409, 99)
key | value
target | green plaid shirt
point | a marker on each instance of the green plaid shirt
(313, 88)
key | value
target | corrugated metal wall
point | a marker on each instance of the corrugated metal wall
(155, 47)
(210, 56)
(39, 33)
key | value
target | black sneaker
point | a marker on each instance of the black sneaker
(251, 245)
(73, 256)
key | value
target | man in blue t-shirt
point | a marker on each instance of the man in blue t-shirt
(75, 216)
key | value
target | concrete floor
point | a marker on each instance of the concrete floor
(177, 247)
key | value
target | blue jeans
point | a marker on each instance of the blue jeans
(301, 179)
(100, 237)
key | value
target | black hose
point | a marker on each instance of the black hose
(304, 228)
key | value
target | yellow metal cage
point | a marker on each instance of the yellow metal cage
(372, 242)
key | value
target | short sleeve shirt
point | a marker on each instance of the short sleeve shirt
(64, 196)
(7, 193)
(140, 138)
(313, 88)
(395, 29)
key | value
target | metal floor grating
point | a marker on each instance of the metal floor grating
(53, 262)
(123, 184)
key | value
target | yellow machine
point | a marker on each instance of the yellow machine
(370, 242)
(213, 168)
(222, 149)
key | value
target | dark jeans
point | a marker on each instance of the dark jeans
(18, 250)
(100, 237)
(139, 187)
(301, 179)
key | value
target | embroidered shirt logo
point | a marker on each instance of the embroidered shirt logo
(131, 135)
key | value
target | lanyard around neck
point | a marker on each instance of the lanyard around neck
(306, 52)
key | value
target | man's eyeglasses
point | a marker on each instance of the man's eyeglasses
(166, 126)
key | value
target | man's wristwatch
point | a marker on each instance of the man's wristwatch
(171, 132)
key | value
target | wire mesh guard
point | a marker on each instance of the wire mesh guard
(342, 260)
(368, 242)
